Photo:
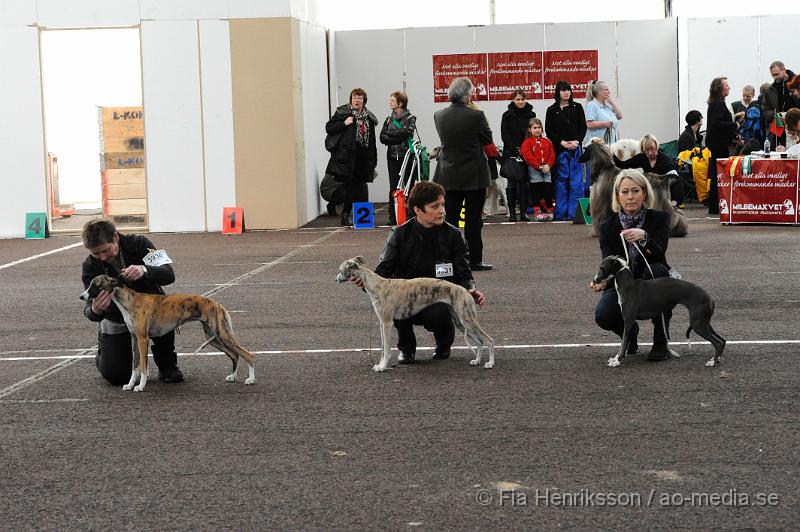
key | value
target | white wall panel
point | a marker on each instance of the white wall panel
(173, 126)
(373, 60)
(259, 8)
(722, 47)
(184, 9)
(647, 66)
(22, 175)
(313, 79)
(778, 43)
(17, 12)
(87, 13)
(215, 69)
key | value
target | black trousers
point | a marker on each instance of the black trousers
(436, 319)
(473, 201)
(356, 192)
(517, 192)
(114, 357)
(608, 315)
(717, 152)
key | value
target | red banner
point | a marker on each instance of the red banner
(578, 67)
(509, 71)
(446, 68)
(767, 194)
(497, 75)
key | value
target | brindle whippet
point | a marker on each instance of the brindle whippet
(152, 315)
(399, 299)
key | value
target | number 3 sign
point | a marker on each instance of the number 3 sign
(232, 221)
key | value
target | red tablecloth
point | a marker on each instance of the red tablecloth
(767, 194)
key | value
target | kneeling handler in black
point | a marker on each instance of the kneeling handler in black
(115, 255)
(427, 246)
(641, 227)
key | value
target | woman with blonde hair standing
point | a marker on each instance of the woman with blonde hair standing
(602, 113)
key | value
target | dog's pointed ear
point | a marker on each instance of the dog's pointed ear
(361, 260)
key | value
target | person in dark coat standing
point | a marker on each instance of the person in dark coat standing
(642, 227)
(398, 129)
(720, 134)
(565, 125)
(462, 169)
(351, 141)
(513, 127)
(778, 98)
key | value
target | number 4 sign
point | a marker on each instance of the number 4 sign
(232, 221)
(35, 225)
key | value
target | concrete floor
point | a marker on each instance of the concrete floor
(550, 438)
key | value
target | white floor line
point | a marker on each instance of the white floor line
(24, 383)
(20, 261)
(34, 401)
(510, 347)
(67, 361)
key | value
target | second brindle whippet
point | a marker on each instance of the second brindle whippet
(642, 299)
(399, 299)
(152, 315)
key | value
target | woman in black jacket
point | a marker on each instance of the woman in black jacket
(720, 134)
(351, 141)
(565, 125)
(398, 129)
(641, 227)
(513, 126)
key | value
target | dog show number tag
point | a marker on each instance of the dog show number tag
(444, 269)
(156, 258)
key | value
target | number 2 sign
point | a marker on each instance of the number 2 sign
(363, 215)
(232, 221)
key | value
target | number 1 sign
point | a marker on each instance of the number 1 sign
(232, 221)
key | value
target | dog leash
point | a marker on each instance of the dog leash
(652, 276)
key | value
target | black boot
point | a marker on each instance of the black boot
(523, 207)
(346, 220)
(331, 209)
(512, 214)
(660, 349)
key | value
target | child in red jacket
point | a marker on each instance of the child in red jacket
(539, 154)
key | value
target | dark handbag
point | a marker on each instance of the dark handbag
(332, 140)
(514, 169)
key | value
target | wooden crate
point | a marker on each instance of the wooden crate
(125, 207)
(122, 161)
(124, 191)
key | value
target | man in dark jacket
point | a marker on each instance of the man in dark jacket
(462, 169)
(427, 246)
(777, 98)
(131, 258)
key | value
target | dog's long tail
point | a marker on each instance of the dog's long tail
(688, 339)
